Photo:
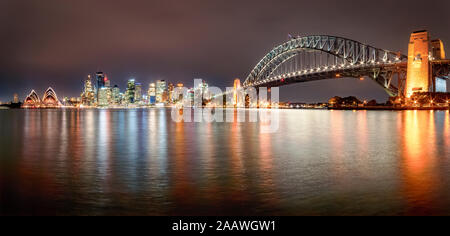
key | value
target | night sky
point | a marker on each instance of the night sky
(58, 42)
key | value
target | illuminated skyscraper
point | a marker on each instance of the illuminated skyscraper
(131, 87)
(107, 82)
(138, 93)
(103, 97)
(191, 96)
(152, 93)
(179, 98)
(170, 88)
(201, 93)
(88, 95)
(110, 97)
(100, 79)
(205, 91)
(160, 90)
(116, 95)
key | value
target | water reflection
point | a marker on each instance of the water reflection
(106, 162)
(419, 161)
(446, 134)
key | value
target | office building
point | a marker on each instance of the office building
(160, 91)
(138, 93)
(152, 93)
(130, 94)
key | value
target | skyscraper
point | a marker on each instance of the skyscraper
(100, 78)
(88, 95)
(160, 90)
(180, 94)
(131, 87)
(201, 93)
(107, 82)
(152, 93)
(103, 97)
(170, 89)
(138, 93)
(116, 95)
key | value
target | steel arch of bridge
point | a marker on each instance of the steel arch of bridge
(357, 60)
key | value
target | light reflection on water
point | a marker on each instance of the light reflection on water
(107, 162)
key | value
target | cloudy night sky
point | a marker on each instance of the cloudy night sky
(58, 42)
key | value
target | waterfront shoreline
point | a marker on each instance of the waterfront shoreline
(385, 108)
(375, 108)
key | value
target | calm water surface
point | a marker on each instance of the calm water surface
(127, 162)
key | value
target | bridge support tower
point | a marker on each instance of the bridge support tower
(426, 63)
(418, 66)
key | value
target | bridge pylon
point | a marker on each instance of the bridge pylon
(426, 64)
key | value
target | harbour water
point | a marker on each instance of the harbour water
(140, 162)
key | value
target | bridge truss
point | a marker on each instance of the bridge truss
(311, 58)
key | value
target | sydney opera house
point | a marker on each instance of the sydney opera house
(49, 100)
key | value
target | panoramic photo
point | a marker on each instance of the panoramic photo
(250, 109)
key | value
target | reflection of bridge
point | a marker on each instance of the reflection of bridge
(305, 59)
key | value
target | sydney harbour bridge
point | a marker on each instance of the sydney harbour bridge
(319, 57)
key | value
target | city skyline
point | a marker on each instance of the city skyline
(99, 91)
(224, 108)
(161, 48)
